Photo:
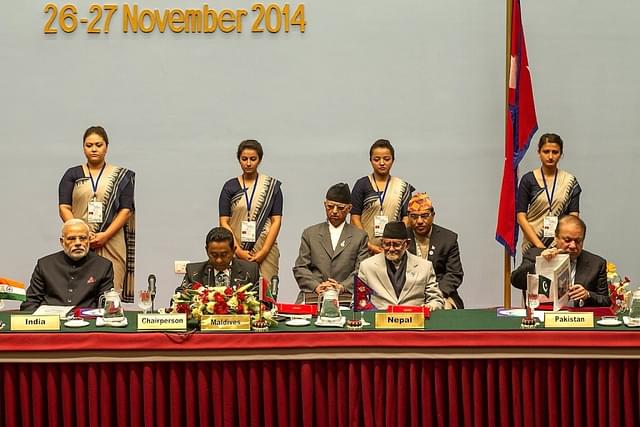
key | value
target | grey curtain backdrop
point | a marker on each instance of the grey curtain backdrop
(428, 75)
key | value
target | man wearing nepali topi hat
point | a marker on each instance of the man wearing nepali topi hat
(398, 277)
(330, 252)
(438, 245)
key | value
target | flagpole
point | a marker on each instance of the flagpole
(507, 258)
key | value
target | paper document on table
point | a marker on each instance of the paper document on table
(558, 270)
(60, 310)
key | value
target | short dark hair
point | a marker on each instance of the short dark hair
(250, 144)
(550, 138)
(572, 219)
(98, 130)
(220, 234)
(382, 143)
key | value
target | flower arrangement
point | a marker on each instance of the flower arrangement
(619, 292)
(198, 300)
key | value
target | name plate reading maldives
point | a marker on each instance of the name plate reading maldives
(27, 322)
(225, 322)
(568, 320)
(399, 321)
(162, 322)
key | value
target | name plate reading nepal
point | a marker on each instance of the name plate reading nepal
(28, 322)
(225, 322)
(568, 320)
(162, 322)
(399, 321)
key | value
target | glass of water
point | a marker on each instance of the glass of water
(144, 300)
(533, 300)
(634, 309)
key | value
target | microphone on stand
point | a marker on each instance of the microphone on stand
(151, 280)
(209, 272)
(275, 282)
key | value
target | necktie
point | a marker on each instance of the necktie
(222, 279)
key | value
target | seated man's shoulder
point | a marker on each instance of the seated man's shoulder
(195, 266)
(358, 233)
(445, 232)
(372, 260)
(591, 257)
(92, 256)
(315, 228)
(246, 265)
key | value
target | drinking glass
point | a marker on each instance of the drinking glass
(533, 301)
(144, 300)
(634, 309)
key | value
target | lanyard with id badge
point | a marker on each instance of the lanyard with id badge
(248, 228)
(94, 209)
(550, 221)
(379, 221)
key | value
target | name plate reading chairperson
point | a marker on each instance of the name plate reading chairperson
(399, 321)
(568, 320)
(226, 322)
(162, 322)
(27, 322)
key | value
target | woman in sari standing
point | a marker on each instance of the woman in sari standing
(379, 198)
(102, 195)
(250, 206)
(546, 194)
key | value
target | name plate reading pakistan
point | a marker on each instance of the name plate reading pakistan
(27, 322)
(568, 320)
(225, 322)
(399, 321)
(162, 322)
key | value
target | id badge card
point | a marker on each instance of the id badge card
(94, 212)
(379, 221)
(248, 232)
(549, 226)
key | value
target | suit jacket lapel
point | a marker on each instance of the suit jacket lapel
(411, 276)
(325, 239)
(434, 242)
(383, 277)
(582, 268)
(343, 241)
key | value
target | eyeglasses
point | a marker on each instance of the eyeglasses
(424, 216)
(338, 207)
(395, 244)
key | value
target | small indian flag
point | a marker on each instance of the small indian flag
(10, 289)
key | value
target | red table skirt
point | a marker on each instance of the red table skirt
(495, 392)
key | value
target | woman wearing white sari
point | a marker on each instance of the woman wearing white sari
(546, 194)
(379, 198)
(250, 205)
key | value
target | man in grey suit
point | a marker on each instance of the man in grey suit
(588, 271)
(438, 245)
(398, 277)
(330, 252)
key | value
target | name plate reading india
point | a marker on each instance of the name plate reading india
(226, 322)
(399, 321)
(27, 322)
(568, 320)
(162, 322)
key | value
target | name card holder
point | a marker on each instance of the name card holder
(568, 319)
(399, 321)
(162, 322)
(28, 322)
(225, 322)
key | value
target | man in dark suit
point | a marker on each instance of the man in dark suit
(438, 245)
(588, 271)
(330, 252)
(222, 269)
(73, 276)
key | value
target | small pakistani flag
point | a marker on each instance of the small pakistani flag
(544, 285)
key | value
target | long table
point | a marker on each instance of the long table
(468, 367)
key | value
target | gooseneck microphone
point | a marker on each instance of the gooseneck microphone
(275, 282)
(151, 280)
